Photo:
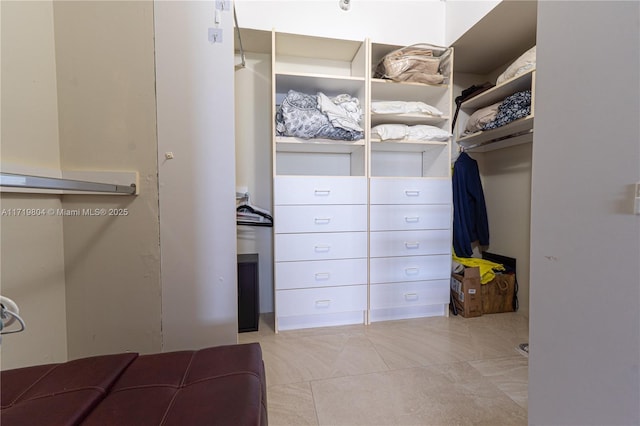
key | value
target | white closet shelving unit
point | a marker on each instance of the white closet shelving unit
(320, 191)
(514, 133)
(410, 205)
(362, 228)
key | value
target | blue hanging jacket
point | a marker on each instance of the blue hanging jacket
(470, 221)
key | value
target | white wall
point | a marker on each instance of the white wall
(383, 21)
(506, 180)
(31, 253)
(107, 119)
(462, 15)
(195, 96)
(585, 240)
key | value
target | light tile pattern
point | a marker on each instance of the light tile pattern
(429, 371)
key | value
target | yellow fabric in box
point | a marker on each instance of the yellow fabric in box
(487, 268)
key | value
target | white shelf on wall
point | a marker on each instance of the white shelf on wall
(498, 93)
(292, 144)
(315, 48)
(407, 146)
(311, 83)
(514, 133)
(521, 128)
(504, 143)
(392, 90)
(407, 118)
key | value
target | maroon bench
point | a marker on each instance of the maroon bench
(223, 385)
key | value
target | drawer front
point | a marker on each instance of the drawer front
(410, 243)
(339, 218)
(321, 300)
(320, 246)
(398, 295)
(321, 273)
(292, 190)
(411, 191)
(412, 268)
(407, 217)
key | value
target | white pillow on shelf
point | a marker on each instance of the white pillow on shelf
(524, 63)
(404, 107)
(400, 132)
(481, 117)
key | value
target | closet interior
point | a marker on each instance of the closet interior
(362, 224)
(485, 54)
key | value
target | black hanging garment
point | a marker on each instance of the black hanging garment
(466, 94)
(470, 221)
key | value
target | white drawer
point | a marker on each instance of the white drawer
(321, 300)
(411, 268)
(410, 243)
(320, 273)
(320, 246)
(410, 191)
(291, 190)
(406, 217)
(338, 218)
(399, 295)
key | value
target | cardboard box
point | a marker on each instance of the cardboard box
(466, 293)
(497, 294)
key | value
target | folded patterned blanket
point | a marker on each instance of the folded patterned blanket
(512, 108)
(317, 116)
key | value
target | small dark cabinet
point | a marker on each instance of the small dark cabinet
(248, 293)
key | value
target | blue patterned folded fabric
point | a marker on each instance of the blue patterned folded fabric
(512, 108)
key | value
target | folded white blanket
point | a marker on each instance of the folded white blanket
(343, 111)
(404, 107)
(419, 132)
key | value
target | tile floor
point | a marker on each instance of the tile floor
(429, 371)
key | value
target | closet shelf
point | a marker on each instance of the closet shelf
(312, 83)
(406, 146)
(510, 141)
(407, 91)
(498, 93)
(514, 133)
(323, 76)
(384, 81)
(292, 144)
(412, 118)
(311, 47)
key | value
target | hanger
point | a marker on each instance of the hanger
(248, 214)
(8, 315)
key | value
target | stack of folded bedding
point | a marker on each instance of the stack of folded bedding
(319, 116)
(499, 114)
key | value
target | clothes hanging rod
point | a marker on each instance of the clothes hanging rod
(243, 63)
(38, 182)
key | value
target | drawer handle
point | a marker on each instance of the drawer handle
(412, 271)
(410, 246)
(322, 192)
(323, 303)
(322, 249)
(411, 296)
(322, 220)
(412, 219)
(411, 192)
(322, 276)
